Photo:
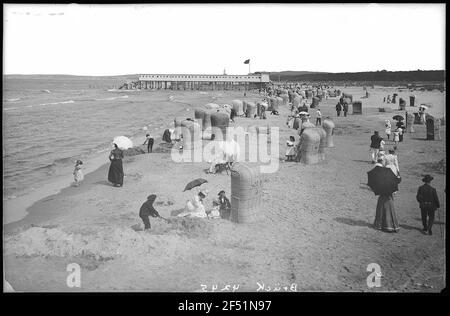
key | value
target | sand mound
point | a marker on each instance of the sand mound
(105, 245)
(133, 151)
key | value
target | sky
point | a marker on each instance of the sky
(81, 39)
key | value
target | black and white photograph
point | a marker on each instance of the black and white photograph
(202, 148)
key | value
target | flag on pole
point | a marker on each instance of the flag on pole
(247, 61)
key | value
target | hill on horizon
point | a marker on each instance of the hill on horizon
(383, 75)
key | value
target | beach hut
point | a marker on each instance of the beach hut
(238, 107)
(430, 123)
(177, 129)
(357, 107)
(328, 126)
(322, 143)
(251, 109)
(219, 124)
(409, 122)
(315, 102)
(310, 141)
(246, 192)
(192, 134)
(296, 124)
(199, 115)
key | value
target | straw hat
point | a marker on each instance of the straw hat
(427, 178)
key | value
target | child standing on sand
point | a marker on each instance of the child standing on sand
(77, 173)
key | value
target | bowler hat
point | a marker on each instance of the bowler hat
(427, 178)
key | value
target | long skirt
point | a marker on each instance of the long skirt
(115, 173)
(385, 218)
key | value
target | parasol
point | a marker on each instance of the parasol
(123, 142)
(303, 113)
(398, 117)
(382, 181)
(194, 183)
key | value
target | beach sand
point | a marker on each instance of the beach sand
(314, 229)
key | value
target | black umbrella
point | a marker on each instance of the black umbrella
(398, 117)
(382, 181)
(194, 183)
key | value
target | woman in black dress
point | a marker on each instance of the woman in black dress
(115, 174)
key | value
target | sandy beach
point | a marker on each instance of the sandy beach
(314, 231)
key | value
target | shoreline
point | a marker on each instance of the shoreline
(17, 209)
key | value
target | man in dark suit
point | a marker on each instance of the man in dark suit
(147, 210)
(429, 203)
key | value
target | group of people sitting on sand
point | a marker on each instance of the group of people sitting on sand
(221, 208)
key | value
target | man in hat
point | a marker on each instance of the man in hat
(375, 141)
(338, 108)
(428, 202)
(147, 210)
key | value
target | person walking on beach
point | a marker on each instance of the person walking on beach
(318, 117)
(149, 140)
(396, 136)
(338, 109)
(428, 202)
(375, 140)
(115, 173)
(345, 108)
(147, 210)
(388, 128)
(78, 173)
(391, 162)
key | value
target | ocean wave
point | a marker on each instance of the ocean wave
(112, 98)
(11, 108)
(62, 102)
(12, 100)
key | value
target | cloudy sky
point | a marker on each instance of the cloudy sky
(131, 39)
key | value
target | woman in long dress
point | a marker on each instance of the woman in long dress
(115, 173)
(386, 218)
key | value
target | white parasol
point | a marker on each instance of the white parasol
(303, 113)
(123, 142)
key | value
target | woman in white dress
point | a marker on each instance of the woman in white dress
(391, 162)
(195, 207)
(388, 128)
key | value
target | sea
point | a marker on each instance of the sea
(51, 121)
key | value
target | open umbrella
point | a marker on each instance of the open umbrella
(303, 113)
(398, 117)
(194, 183)
(123, 142)
(382, 181)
